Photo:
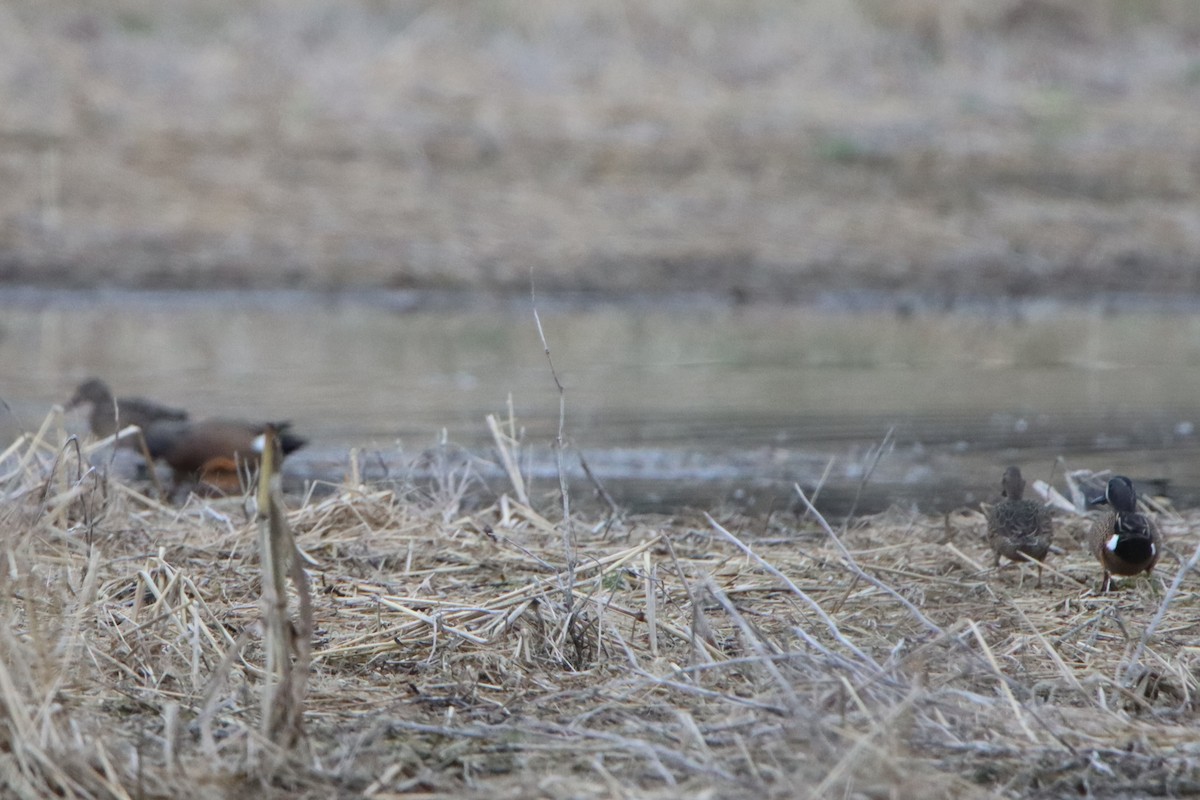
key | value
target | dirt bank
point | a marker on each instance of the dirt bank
(1017, 147)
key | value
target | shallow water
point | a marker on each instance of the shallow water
(687, 402)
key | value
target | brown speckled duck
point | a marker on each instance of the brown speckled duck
(1019, 529)
(1125, 541)
(200, 451)
(109, 415)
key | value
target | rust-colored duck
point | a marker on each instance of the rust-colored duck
(211, 451)
(1019, 529)
(1125, 541)
(109, 415)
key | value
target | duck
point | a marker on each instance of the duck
(212, 451)
(1018, 529)
(1125, 541)
(109, 415)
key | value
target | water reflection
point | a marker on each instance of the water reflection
(688, 403)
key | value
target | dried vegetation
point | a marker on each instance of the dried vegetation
(766, 149)
(453, 655)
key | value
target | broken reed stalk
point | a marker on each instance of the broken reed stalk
(62, 496)
(511, 468)
(38, 440)
(649, 576)
(873, 457)
(559, 445)
(285, 681)
(614, 510)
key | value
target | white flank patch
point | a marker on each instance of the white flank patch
(1153, 549)
(260, 444)
(1112, 543)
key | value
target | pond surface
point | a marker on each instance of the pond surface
(688, 401)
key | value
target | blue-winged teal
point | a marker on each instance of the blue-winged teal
(1124, 541)
(109, 415)
(203, 450)
(1018, 529)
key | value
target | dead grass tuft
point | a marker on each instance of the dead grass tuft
(696, 654)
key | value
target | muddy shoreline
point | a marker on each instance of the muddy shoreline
(905, 302)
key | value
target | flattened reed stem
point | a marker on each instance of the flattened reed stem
(830, 625)
(853, 566)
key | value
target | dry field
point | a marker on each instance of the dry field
(761, 148)
(497, 651)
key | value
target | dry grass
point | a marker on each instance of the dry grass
(700, 656)
(767, 149)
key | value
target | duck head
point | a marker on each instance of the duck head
(1012, 485)
(1120, 495)
(93, 390)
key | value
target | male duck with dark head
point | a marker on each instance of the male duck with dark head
(1124, 541)
(197, 450)
(109, 415)
(1019, 529)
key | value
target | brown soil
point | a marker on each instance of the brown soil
(1013, 147)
